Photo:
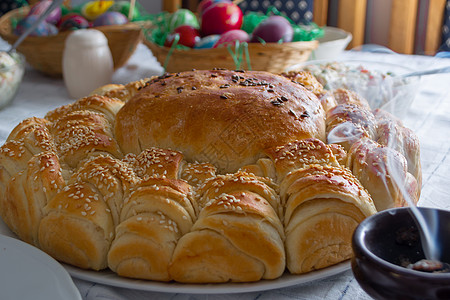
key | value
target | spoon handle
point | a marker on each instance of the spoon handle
(52, 6)
(427, 72)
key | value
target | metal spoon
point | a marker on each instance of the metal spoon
(426, 72)
(52, 6)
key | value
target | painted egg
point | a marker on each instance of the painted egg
(72, 22)
(182, 17)
(93, 9)
(205, 4)
(40, 7)
(273, 30)
(220, 18)
(230, 37)
(207, 41)
(43, 29)
(188, 36)
(110, 18)
(124, 8)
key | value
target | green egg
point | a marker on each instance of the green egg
(182, 17)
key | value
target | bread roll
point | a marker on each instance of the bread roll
(225, 118)
(300, 154)
(310, 82)
(156, 214)
(27, 194)
(347, 123)
(239, 181)
(96, 104)
(197, 173)
(77, 227)
(120, 91)
(112, 178)
(381, 169)
(344, 96)
(156, 162)
(237, 237)
(393, 134)
(324, 204)
(82, 134)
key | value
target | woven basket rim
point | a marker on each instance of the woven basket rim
(301, 45)
(8, 34)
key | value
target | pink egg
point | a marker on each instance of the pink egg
(110, 18)
(40, 7)
(230, 37)
(73, 21)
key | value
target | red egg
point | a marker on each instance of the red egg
(230, 37)
(204, 4)
(272, 30)
(188, 36)
(221, 17)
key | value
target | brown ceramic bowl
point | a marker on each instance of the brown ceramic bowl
(387, 241)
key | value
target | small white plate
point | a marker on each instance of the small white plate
(28, 273)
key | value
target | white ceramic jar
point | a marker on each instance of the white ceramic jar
(87, 62)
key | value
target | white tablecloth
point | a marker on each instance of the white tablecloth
(429, 117)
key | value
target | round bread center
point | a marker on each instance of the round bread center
(226, 118)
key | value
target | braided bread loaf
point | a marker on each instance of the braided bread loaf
(200, 176)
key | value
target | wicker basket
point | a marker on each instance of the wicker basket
(45, 53)
(271, 57)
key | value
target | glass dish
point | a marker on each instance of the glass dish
(379, 83)
(12, 68)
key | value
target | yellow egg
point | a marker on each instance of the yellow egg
(93, 9)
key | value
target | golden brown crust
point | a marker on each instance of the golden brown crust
(78, 227)
(120, 91)
(324, 204)
(310, 82)
(155, 215)
(222, 117)
(236, 224)
(238, 182)
(28, 192)
(300, 154)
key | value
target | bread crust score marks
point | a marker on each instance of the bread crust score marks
(202, 176)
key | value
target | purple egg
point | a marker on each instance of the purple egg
(110, 18)
(40, 7)
(272, 30)
(43, 29)
(72, 22)
(230, 37)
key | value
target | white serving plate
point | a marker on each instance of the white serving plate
(108, 277)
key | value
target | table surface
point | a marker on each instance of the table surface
(429, 117)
